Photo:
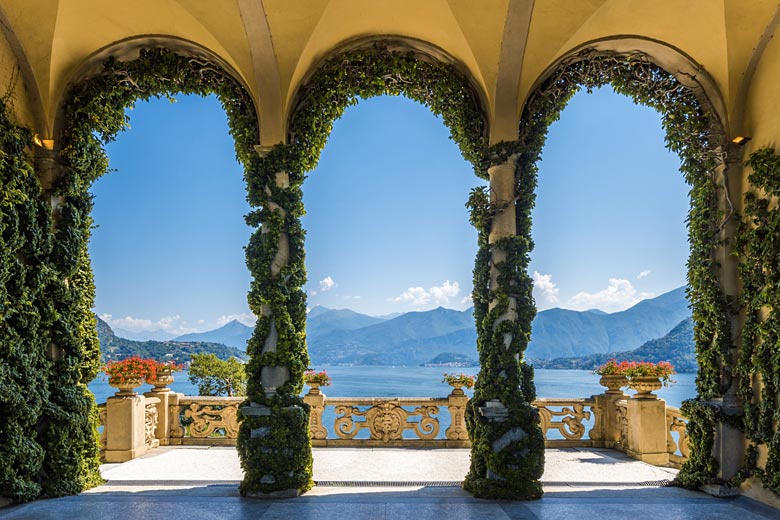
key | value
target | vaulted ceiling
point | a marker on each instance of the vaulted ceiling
(272, 45)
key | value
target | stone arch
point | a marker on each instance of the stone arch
(696, 125)
(93, 111)
(130, 49)
(279, 355)
(367, 57)
(674, 61)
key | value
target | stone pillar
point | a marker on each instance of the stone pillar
(502, 195)
(163, 433)
(607, 427)
(125, 428)
(507, 454)
(729, 446)
(456, 404)
(647, 431)
(316, 401)
(273, 440)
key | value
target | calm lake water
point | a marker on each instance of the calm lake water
(386, 381)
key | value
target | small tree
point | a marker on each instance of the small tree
(214, 376)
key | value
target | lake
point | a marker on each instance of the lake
(387, 381)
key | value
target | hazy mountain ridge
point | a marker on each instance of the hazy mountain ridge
(233, 334)
(677, 347)
(418, 337)
(397, 341)
(113, 347)
(565, 333)
(343, 336)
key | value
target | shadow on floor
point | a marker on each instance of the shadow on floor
(223, 502)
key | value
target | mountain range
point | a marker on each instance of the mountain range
(343, 336)
(113, 347)
(677, 347)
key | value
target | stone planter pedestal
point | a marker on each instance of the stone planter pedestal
(164, 395)
(125, 428)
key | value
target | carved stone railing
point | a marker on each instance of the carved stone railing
(622, 424)
(644, 428)
(400, 421)
(204, 420)
(676, 436)
(150, 422)
(570, 425)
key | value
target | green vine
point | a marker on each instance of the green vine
(283, 458)
(693, 133)
(95, 112)
(25, 313)
(758, 244)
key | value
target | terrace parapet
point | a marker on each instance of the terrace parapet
(645, 429)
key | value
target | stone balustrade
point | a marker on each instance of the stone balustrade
(644, 428)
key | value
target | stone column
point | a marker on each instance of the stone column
(729, 446)
(125, 428)
(273, 377)
(507, 455)
(273, 440)
(502, 195)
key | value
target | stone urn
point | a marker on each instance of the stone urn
(161, 381)
(645, 386)
(457, 388)
(314, 388)
(126, 385)
(613, 383)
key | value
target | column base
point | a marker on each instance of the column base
(282, 493)
(720, 490)
(654, 459)
(123, 455)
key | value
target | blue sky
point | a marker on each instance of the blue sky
(387, 229)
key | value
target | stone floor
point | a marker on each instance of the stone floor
(201, 483)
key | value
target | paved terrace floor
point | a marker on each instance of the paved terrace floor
(201, 483)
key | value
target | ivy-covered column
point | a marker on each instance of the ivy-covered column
(273, 440)
(507, 455)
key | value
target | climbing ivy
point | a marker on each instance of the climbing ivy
(692, 132)
(758, 244)
(284, 458)
(25, 313)
(95, 113)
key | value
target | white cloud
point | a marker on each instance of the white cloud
(643, 274)
(619, 295)
(415, 296)
(438, 295)
(545, 288)
(312, 293)
(172, 324)
(245, 318)
(466, 300)
(327, 283)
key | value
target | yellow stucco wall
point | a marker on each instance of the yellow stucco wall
(762, 105)
(12, 79)
(696, 27)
